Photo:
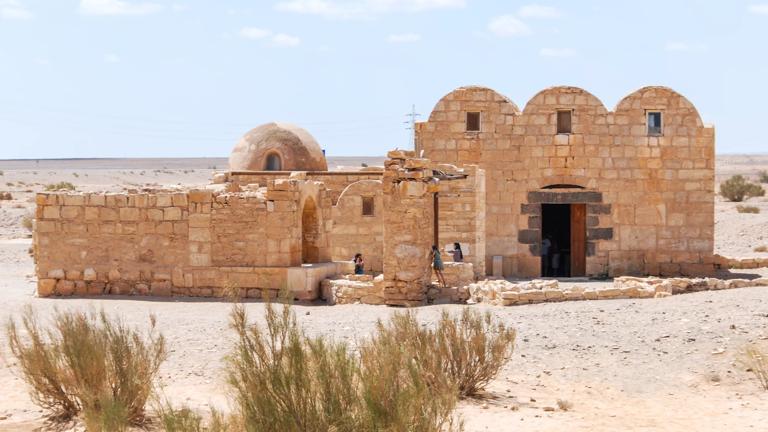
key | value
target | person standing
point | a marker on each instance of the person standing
(546, 245)
(437, 265)
(359, 264)
(458, 255)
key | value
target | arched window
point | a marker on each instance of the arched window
(274, 163)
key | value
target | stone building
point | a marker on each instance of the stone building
(562, 188)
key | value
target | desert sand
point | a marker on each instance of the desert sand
(650, 365)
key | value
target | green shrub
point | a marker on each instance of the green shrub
(60, 186)
(747, 209)
(283, 380)
(88, 364)
(737, 188)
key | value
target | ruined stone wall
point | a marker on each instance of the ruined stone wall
(461, 213)
(408, 228)
(335, 181)
(353, 232)
(650, 199)
(185, 243)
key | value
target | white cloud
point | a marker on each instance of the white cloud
(118, 7)
(254, 33)
(758, 9)
(284, 40)
(112, 58)
(404, 38)
(274, 39)
(13, 10)
(557, 52)
(538, 11)
(348, 9)
(685, 47)
(508, 25)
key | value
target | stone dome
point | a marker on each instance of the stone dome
(277, 147)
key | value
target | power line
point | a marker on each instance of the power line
(412, 126)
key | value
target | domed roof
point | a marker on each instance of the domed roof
(278, 147)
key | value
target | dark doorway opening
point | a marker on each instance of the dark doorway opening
(563, 240)
(555, 240)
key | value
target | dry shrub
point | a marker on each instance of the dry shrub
(564, 405)
(757, 362)
(762, 176)
(60, 186)
(747, 209)
(185, 419)
(26, 222)
(287, 381)
(88, 364)
(470, 349)
(737, 188)
(761, 248)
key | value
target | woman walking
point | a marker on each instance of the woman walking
(437, 265)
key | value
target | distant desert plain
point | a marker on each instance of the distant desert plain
(668, 364)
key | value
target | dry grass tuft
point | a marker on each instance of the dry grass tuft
(60, 186)
(185, 419)
(88, 364)
(747, 209)
(761, 248)
(283, 380)
(757, 362)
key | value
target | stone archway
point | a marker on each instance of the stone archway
(310, 233)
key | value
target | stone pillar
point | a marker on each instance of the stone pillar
(408, 228)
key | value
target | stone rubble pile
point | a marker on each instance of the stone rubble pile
(506, 293)
(741, 263)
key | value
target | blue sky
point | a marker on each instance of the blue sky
(155, 78)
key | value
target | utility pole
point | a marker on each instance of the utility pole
(412, 126)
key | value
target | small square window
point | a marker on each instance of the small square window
(473, 122)
(564, 121)
(653, 119)
(367, 206)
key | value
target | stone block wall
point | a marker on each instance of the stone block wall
(335, 181)
(651, 197)
(193, 242)
(353, 232)
(408, 228)
(461, 214)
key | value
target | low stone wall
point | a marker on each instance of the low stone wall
(502, 292)
(740, 263)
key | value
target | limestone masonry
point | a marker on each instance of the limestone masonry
(563, 188)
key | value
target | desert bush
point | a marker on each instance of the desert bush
(737, 188)
(185, 419)
(59, 186)
(470, 348)
(26, 222)
(564, 405)
(747, 209)
(284, 380)
(761, 248)
(757, 362)
(762, 176)
(88, 364)
(5, 196)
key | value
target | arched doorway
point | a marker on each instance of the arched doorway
(310, 233)
(273, 162)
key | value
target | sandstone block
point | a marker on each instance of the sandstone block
(172, 214)
(45, 287)
(74, 275)
(56, 274)
(65, 287)
(161, 289)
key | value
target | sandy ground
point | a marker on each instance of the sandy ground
(644, 365)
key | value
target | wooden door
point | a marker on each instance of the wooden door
(578, 240)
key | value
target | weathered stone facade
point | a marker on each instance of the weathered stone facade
(649, 197)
